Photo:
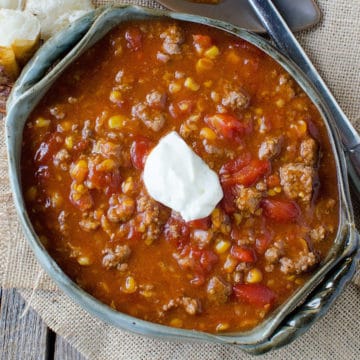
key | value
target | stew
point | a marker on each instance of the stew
(84, 150)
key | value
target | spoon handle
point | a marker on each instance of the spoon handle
(287, 43)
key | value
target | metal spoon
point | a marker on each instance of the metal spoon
(286, 42)
(298, 14)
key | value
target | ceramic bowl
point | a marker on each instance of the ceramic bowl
(289, 320)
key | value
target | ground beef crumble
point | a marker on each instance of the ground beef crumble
(173, 38)
(191, 306)
(297, 181)
(218, 290)
(117, 258)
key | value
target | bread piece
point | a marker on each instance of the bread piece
(8, 65)
(6, 84)
(55, 15)
(19, 38)
(11, 4)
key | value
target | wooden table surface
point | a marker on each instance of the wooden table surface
(25, 336)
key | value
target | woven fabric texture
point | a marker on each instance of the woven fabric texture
(334, 47)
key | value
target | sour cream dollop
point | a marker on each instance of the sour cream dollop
(178, 178)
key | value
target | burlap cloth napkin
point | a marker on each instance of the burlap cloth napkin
(334, 47)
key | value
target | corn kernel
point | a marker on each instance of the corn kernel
(80, 188)
(147, 293)
(238, 218)
(304, 244)
(116, 121)
(208, 83)
(79, 171)
(222, 246)
(204, 65)
(31, 193)
(280, 103)
(277, 189)
(130, 285)
(148, 241)
(225, 228)
(119, 50)
(115, 96)
(174, 87)
(271, 192)
(212, 52)
(184, 105)
(215, 218)
(302, 127)
(69, 142)
(207, 133)
(230, 264)
(41, 122)
(215, 96)
(254, 276)
(176, 322)
(259, 111)
(128, 185)
(233, 58)
(222, 327)
(191, 84)
(84, 260)
(299, 281)
(106, 165)
(56, 200)
(66, 125)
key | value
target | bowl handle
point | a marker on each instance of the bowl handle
(312, 309)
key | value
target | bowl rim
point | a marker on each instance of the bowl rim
(34, 83)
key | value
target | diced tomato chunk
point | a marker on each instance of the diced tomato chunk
(228, 201)
(200, 262)
(139, 150)
(42, 174)
(313, 130)
(235, 165)
(177, 232)
(254, 294)
(273, 180)
(201, 42)
(201, 224)
(81, 145)
(243, 254)
(208, 259)
(48, 148)
(108, 181)
(262, 243)
(280, 210)
(82, 200)
(113, 182)
(227, 126)
(133, 37)
(198, 279)
(248, 175)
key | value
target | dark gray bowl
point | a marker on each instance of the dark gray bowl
(288, 321)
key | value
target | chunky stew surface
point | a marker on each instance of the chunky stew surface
(84, 149)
